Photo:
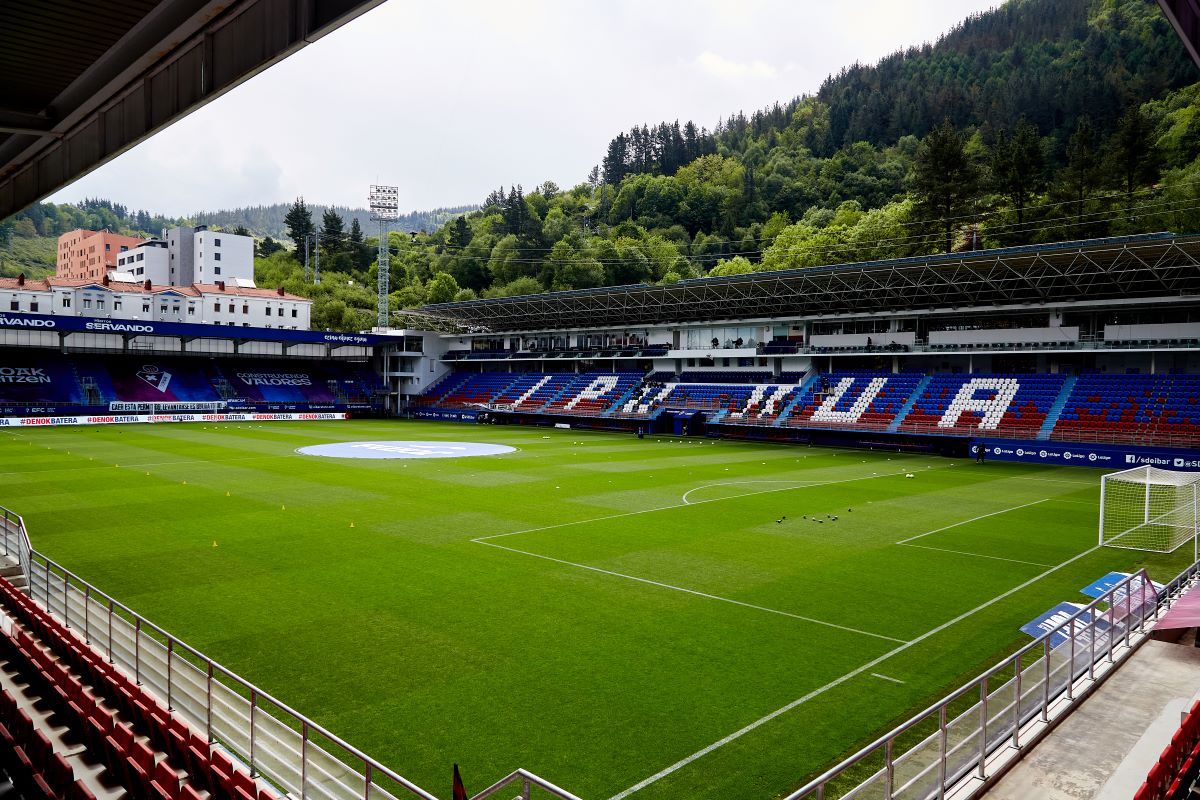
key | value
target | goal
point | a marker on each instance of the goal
(1147, 508)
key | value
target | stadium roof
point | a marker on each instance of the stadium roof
(81, 81)
(1149, 266)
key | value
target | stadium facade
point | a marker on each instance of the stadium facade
(1076, 352)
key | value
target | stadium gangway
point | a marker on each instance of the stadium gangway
(276, 742)
(958, 747)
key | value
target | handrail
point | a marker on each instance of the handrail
(1083, 632)
(149, 654)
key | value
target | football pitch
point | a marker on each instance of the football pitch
(661, 618)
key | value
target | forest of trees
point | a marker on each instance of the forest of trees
(1042, 120)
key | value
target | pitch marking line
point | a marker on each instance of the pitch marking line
(693, 592)
(976, 555)
(885, 678)
(794, 484)
(482, 539)
(839, 681)
(969, 521)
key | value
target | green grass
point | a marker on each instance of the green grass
(423, 647)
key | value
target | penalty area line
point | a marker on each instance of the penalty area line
(975, 555)
(972, 519)
(683, 762)
(692, 592)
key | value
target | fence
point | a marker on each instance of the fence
(275, 741)
(968, 738)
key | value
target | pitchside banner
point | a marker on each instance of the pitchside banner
(1081, 454)
(125, 419)
(467, 415)
(44, 322)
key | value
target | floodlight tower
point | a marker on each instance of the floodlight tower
(385, 207)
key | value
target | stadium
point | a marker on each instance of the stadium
(730, 529)
(916, 527)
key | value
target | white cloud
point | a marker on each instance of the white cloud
(722, 67)
(449, 100)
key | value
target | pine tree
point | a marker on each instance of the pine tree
(356, 234)
(945, 182)
(333, 234)
(299, 224)
(1133, 160)
(241, 230)
(1082, 172)
(1019, 168)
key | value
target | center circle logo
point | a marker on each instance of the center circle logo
(405, 449)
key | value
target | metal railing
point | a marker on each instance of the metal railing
(954, 747)
(276, 742)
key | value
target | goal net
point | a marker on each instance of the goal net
(1147, 508)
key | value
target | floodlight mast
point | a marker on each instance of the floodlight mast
(385, 207)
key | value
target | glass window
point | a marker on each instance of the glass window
(216, 256)
(87, 302)
(145, 308)
(217, 243)
(66, 302)
(15, 305)
(33, 306)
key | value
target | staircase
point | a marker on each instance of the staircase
(1056, 410)
(11, 571)
(786, 411)
(622, 400)
(908, 404)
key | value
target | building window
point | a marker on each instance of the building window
(100, 304)
(66, 302)
(217, 243)
(87, 302)
(117, 304)
(141, 270)
(124, 247)
(15, 305)
(146, 308)
(33, 306)
(217, 307)
(216, 270)
(107, 247)
(141, 256)
(192, 313)
(245, 309)
(217, 256)
(231, 308)
(162, 309)
(294, 314)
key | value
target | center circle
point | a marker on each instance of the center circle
(404, 449)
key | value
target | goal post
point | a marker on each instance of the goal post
(1148, 508)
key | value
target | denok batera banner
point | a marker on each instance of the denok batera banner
(122, 419)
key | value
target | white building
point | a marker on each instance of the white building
(147, 262)
(217, 303)
(185, 256)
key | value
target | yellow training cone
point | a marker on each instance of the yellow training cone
(227, 494)
(283, 508)
(351, 524)
(214, 542)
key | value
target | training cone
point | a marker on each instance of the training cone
(214, 542)
(283, 508)
(351, 524)
(227, 494)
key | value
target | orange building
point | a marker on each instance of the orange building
(90, 254)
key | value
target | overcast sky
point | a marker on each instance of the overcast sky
(451, 99)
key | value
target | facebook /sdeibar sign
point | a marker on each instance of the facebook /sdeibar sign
(43, 322)
(1082, 454)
